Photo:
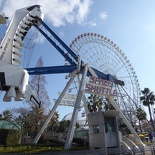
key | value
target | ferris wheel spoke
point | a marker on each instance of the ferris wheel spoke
(127, 109)
(102, 54)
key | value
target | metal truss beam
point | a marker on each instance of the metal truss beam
(63, 49)
(54, 108)
(51, 69)
(64, 69)
(71, 129)
(66, 52)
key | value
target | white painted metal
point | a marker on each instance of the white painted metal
(54, 108)
(111, 100)
(14, 79)
(71, 129)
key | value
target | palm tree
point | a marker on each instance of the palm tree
(141, 115)
(108, 105)
(7, 114)
(95, 103)
(148, 99)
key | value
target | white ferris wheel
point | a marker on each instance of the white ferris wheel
(104, 55)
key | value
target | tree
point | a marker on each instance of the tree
(23, 117)
(95, 103)
(1, 116)
(141, 115)
(18, 117)
(39, 82)
(63, 126)
(107, 105)
(13, 133)
(53, 124)
(38, 114)
(7, 114)
(148, 99)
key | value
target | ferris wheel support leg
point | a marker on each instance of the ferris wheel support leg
(71, 129)
(54, 108)
(111, 100)
(84, 98)
(92, 72)
(85, 105)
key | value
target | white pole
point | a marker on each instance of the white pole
(70, 133)
(54, 108)
(111, 100)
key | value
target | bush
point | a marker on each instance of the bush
(9, 136)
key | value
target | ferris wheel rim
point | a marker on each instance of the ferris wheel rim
(112, 46)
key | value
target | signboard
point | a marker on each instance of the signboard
(68, 96)
(68, 100)
(100, 87)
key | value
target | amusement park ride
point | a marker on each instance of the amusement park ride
(15, 80)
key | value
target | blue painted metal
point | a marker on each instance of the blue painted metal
(63, 69)
(59, 40)
(62, 52)
(102, 75)
(72, 58)
(51, 69)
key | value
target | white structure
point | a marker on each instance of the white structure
(14, 79)
(103, 129)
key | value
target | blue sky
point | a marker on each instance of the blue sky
(129, 24)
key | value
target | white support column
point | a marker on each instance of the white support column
(84, 99)
(54, 108)
(71, 130)
(111, 100)
(92, 72)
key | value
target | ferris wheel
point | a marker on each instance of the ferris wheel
(104, 55)
(92, 54)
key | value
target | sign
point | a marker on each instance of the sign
(100, 87)
(68, 100)
(69, 96)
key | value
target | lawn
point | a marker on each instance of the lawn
(36, 148)
(28, 148)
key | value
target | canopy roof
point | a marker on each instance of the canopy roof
(5, 124)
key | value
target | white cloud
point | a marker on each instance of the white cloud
(57, 12)
(92, 23)
(103, 15)
(83, 11)
(61, 34)
(40, 39)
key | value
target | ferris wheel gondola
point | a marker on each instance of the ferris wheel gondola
(93, 54)
(104, 55)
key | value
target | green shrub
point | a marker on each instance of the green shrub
(9, 136)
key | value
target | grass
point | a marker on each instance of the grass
(28, 149)
(36, 148)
